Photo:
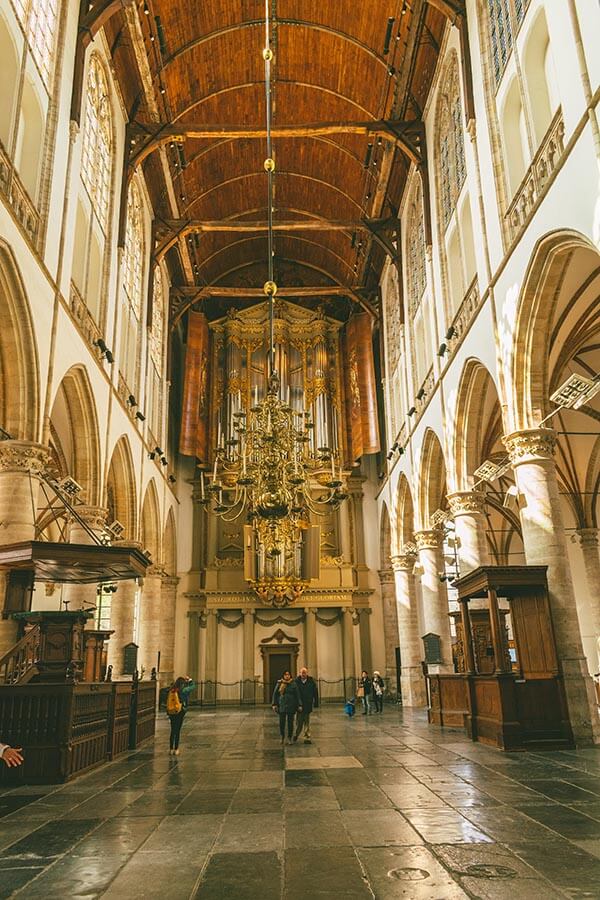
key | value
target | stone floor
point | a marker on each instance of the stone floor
(383, 806)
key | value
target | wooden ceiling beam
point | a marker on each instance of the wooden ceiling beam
(143, 140)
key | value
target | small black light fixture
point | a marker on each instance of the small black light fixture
(131, 400)
(140, 416)
(158, 451)
(421, 393)
(109, 357)
(412, 411)
(367, 161)
(401, 451)
(390, 455)
(100, 344)
(172, 479)
(388, 35)
(450, 333)
(442, 349)
(164, 461)
(152, 455)
(395, 446)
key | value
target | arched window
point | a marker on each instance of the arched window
(156, 338)
(415, 245)
(133, 259)
(38, 19)
(451, 145)
(500, 35)
(96, 162)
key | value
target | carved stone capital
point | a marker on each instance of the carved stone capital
(403, 562)
(93, 516)
(23, 457)
(588, 537)
(170, 582)
(533, 445)
(465, 503)
(428, 539)
(386, 576)
(154, 572)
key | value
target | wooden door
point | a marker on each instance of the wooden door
(278, 664)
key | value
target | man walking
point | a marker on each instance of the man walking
(310, 700)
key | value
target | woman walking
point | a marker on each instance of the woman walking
(378, 691)
(365, 686)
(286, 701)
(177, 704)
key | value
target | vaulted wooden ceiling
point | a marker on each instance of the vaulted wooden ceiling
(185, 64)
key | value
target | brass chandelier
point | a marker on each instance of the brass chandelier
(269, 467)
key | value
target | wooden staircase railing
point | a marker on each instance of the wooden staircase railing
(19, 665)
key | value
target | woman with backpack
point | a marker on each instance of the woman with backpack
(177, 704)
(286, 701)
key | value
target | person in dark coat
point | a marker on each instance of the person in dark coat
(309, 698)
(366, 687)
(286, 701)
(378, 691)
(180, 691)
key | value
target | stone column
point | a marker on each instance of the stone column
(150, 620)
(470, 523)
(350, 669)
(248, 657)
(84, 596)
(310, 641)
(358, 532)
(531, 454)
(167, 629)
(122, 615)
(364, 631)
(588, 539)
(435, 596)
(21, 464)
(390, 625)
(411, 652)
(210, 664)
(193, 662)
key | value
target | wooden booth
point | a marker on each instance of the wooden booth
(508, 690)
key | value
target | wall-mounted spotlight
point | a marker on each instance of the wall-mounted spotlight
(442, 349)
(152, 455)
(388, 35)
(131, 400)
(412, 411)
(104, 351)
(394, 446)
(172, 479)
(158, 451)
(367, 161)
(450, 333)
(400, 451)
(163, 460)
(109, 357)
(421, 394)
(140, 416)
(390, 455)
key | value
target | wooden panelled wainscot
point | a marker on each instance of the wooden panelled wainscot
(509, 693)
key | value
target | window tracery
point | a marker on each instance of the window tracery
(39, 19)
(451, 144)
(158, 320)
(134, 251)
(416, 274)
(96, 161)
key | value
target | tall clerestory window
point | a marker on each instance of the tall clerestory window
(501, 30)
(454, 208)
(94, 197)
(38, 19)
(131, 312)
(157, 353)
(416, 283)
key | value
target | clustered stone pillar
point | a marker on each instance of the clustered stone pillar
(21, 464)
(531, 454)
(390, 624)
(210, 663)
(194, 644)
(310, 640)
(468, 512)
(150, 619)
(84, 596)
(248, 657)
(412, 680)
(167, 629)
(435, 596)
(588, 538)
(348, 650)
(364, 632)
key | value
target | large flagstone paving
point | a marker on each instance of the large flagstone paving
(382, 806)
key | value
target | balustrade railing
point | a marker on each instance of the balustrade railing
(537, 176)
(14, 191)
(20, 661)
(465, 314)
(84, 319)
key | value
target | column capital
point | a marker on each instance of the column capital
(24, 456)
(386, 576)
(588, 537)
(531, 445)
(154, 571)
(429, 539)
(170, 581)
(465, 503)
(93, 516)
(403, 562)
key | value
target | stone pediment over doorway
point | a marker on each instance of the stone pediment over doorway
(279, 637)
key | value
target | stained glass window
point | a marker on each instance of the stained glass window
(134, 251)
(451, 143)
(416, 275)
(38, 18)
(500, 34)
(96, 163)
(158, 320)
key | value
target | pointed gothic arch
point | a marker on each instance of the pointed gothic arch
(150, 523)
(76, 421)
(121, 492)
(432, 479)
